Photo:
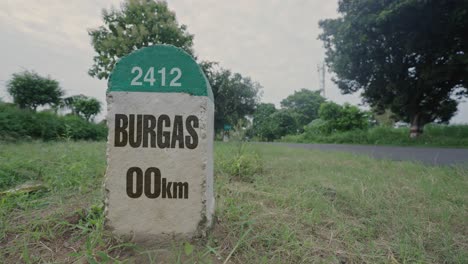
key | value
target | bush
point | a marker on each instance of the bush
(239, 161)
(342, 118)
(242, 166)
(17, 124)
(434, 135)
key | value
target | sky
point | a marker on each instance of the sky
(272, 41)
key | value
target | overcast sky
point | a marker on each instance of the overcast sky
(272, 41)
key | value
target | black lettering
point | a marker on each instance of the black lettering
(130, 182)
(120, 136)
(193, 143)
(166, 189)
(164, 138)
(149, 123)
(180, 188)
(154, 173)
(178, 132)
(135, 140)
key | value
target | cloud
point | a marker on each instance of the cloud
(55, 23)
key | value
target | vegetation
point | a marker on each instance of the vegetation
(84, 106)
(30, 90)
(20, 124)
(305, 104)
(407, 56)
(434, 135)
(139, 23)
(336, 118)
(297, 110)
(302, 207)
(235, 96)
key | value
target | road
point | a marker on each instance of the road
(431, 156)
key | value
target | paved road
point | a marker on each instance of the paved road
(432, 156)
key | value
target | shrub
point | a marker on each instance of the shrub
(434, 135)
(239, 161)
(342, 118)
(18, 123)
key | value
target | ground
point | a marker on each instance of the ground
(274, 205)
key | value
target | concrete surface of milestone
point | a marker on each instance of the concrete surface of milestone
(159, 179)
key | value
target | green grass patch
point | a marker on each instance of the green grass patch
(302, 206)
(434, 136)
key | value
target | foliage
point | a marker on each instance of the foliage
(434, 135)
(30, 90)
(305, 103)
(408, 56)
(235, 96)
(270, 124)
(341, 118)
(22, 124)
(245, 163)
(284, 122)
(263, 126)
(138, 24)
(385, 118)
(81, 105)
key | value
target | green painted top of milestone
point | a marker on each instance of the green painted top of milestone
(159, 69)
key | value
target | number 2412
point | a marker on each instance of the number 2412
(149, 76)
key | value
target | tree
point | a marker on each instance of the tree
(408, 56)
(305, 103)
(29, 90)
(284, 122)
(263, 126)
(235, 96)
(138, 24)
(81, 105)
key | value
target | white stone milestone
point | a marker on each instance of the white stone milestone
(159, 179)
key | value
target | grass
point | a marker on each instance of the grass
(302, 206)
(433, 136)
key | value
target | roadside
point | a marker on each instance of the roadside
(426, 155)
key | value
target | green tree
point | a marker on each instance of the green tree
(263, 126)
(235, 96)
(284, 122)
(341, 118)
(138, 24)
(408, 56)
(30, 90)
(81, 105)
(305, 103)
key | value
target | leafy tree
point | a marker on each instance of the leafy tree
(138, 24)
(284, 123)
(30, 90)
(235, 96)
(270, 124)
(408, 56)
(263, 126)
(341, 118)
(81, 105)
(305, 103)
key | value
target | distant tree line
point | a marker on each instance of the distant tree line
(302, 110)
(21, 119)
(29, 90)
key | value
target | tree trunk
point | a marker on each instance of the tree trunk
(417, 126)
